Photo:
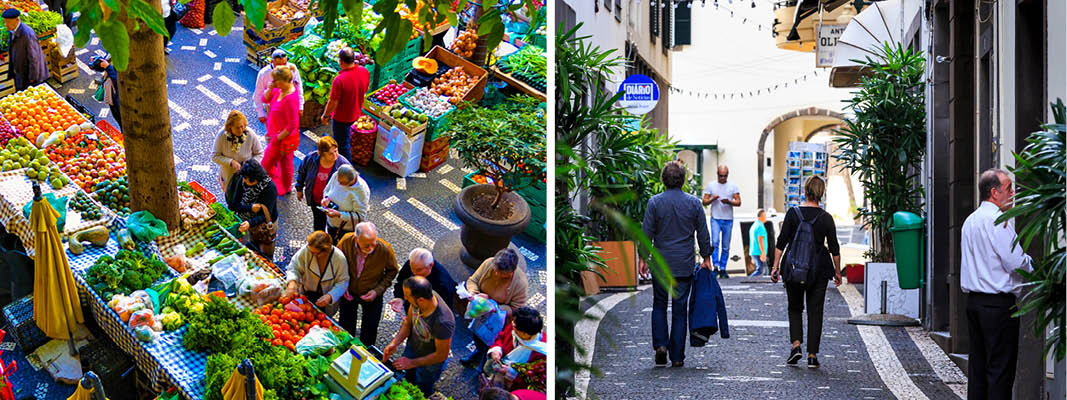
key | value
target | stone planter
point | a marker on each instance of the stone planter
(482, 237)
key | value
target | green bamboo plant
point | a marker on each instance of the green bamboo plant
(1041, 174)
(886, 141)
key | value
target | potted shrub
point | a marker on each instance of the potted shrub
(505, 144)
(884, 145)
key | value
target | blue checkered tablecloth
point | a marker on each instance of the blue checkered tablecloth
(166, 361)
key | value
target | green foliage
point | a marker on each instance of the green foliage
(886, 141)
(505, 142)
(597, 153)
(1041, 174)
(222, 326)
(113, 19)
(223, 18)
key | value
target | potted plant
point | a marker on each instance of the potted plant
(1041, 202)
(505, 144)
(885, 143)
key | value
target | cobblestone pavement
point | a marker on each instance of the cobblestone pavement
(857, 362)
(208, 76)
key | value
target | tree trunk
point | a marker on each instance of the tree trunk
(146, 126)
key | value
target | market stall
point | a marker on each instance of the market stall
(185, 304)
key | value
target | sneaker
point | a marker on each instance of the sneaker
(794, 356)
(661, 356)
(724, 275)
(813, 362)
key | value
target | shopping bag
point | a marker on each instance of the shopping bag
(145, 227)
(487, 326)
(396, 146)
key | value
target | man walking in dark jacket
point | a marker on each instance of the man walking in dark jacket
(27, 64)
(671, 218)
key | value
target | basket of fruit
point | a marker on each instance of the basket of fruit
(385, 96)
(436, 108)
(410, 121)
(462, 81)
(363, 134)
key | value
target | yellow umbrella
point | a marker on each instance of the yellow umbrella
(88, 389)
(56, 307)
(237, 386)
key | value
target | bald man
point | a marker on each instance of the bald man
(371, 269)
(722, 197)
(421, 263)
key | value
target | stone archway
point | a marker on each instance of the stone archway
(760, 160)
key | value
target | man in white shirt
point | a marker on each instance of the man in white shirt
(988, 264)
(277, 59)
(722, 196)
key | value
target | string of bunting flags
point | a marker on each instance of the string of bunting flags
(701, 94)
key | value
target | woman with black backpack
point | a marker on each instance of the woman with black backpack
(813, 258)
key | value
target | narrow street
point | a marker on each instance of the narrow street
(208, 77)
(857, 362)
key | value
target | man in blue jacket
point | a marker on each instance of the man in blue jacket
(671, 218)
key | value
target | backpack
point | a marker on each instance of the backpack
(798, 266)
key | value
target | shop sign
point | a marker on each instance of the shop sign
(640, 94)
(824, 47)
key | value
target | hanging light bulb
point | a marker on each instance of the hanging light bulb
(753, 3)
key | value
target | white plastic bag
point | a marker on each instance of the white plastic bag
(318, 340)
(229, 270)
(64, 38)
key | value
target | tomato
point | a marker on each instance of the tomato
(314, 324)
(326, 324)
(276, 311)
(276, 342)
(321, 317)
(289, 344)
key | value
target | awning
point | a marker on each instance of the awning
(865, 36)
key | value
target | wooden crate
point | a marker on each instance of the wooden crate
(65, 73)
(447, 59)
(518, 84)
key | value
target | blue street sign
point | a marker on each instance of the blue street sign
(640, 94)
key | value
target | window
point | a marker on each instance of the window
(618, 10)
(653, 18)
(607, 5)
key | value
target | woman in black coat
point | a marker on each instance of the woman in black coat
(827, 263)
(254, 199)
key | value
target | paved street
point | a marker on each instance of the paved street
(207, 77)
(857, 362)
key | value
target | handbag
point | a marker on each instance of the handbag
(264, 233)
(179, 9)
(99, 94)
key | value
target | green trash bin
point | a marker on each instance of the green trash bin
(908, 232)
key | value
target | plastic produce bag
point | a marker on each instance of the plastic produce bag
(64, 38)
(125, 306)
(58, 203)
(229, 271)
(480, 305)
(143, 317)
(145, 227)
(145, 299)
(145, 334)
(318, 340)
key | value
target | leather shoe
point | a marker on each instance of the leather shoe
(677, 364)
(661, 356)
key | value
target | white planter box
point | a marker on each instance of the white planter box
(898, 301)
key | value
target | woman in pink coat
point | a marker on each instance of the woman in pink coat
(283, 128)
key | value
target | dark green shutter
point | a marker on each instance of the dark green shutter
(683, 24)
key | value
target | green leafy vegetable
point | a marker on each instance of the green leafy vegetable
(127, 272)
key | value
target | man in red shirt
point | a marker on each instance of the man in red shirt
(346, 100)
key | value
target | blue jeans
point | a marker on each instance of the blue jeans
(760, 265)
(426, 376)
(720, 229)
(675, 343)
(340, 134)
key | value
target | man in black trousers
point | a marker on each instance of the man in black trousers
(988, 265)
(671, 219)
